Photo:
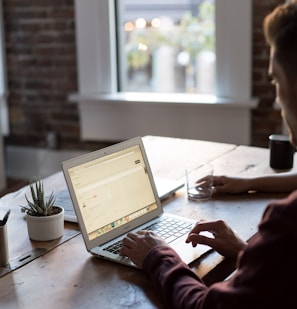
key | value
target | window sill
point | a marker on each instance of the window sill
(172, 99)
(119, 116)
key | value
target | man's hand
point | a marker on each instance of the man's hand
(224, 240)
(232, 185)
(137, 245)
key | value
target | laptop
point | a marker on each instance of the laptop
(165, 188)
(113, 192)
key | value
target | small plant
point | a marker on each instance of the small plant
(39, 206)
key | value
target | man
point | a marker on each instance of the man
(267, 265)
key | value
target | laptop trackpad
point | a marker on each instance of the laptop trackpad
(187, 252)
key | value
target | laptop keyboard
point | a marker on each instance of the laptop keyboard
(167, 228)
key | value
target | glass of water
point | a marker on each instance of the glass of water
(199, 182)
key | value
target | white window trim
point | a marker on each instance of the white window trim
(97, 67)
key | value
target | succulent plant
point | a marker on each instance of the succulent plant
(39, 206)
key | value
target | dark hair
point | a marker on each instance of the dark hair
(280, 30)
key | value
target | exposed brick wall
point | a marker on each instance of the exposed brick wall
(265, 118)
(41, 64)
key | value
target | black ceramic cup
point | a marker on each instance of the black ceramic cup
(281, 152)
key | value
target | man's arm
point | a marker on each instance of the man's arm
(284, 182)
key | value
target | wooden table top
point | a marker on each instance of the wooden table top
(62, 273)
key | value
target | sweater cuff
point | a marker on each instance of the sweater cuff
(160, 256)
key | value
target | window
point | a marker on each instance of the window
(109, 112)
(96, 42)
(167, 46)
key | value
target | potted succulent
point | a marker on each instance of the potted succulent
(45, 221)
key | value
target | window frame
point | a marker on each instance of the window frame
(233, 65)
(107, 114)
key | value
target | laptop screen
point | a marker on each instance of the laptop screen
(112, 190)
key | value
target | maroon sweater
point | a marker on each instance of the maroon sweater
(266, 275)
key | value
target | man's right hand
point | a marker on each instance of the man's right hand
(224, 240)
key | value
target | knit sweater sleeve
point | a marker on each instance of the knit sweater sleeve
(266, 275)
(175, 281)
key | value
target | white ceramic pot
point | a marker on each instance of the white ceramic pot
(46, 228)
